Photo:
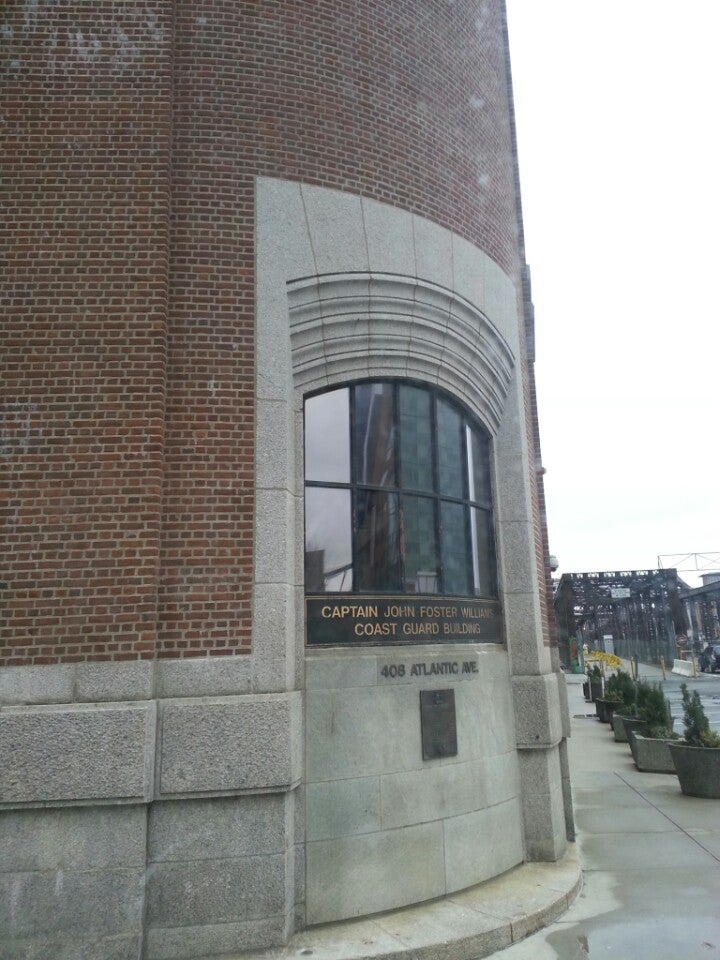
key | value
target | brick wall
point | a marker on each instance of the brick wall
(134, 131)
(86, 148)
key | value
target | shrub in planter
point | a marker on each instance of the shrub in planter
(619, 690)
(697, 757)
(649, 747)
(595, 678)
(627, 710)
(653, 708)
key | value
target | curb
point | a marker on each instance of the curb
(463, 926)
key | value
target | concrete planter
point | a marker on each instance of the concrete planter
(651, 755)
(698, 769)
(619, 729)
(605, 710)
(633, 725)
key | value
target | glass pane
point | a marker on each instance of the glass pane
(374, 435)
(415, 440)
(327, 437)
(377, 541)
(420, 546)
(456, 563)
(478, 466)
(450, 456)
(328, 540)
(483, 548)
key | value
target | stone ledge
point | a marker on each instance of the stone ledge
(79, 752)
(463, 926)
(122, 681)
(230, 744)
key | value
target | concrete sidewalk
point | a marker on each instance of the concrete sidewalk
(650, 856)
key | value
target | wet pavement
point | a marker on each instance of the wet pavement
(650, 855)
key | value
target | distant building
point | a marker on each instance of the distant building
(702, 607)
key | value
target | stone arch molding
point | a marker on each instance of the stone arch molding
(349, 288)
(349, 325)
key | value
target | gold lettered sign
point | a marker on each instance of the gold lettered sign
(339, 619)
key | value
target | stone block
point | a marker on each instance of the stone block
(72, 838)
(30, 685)
(389, 235)
(516, 541)
(272, 675)
(274, 380)
(221, 827)
(336, 230)
(567, 791)
(434, 793)
(96, 682)
(540, 771)
(501, 778)
(202, 892)
(500, 304)
(550, 843)
(232, 744)
(523, 630)
(71, 903)
(273, 620)
(482, 844)
(92, 947)
(64, 753)
(354, 876)
(564, 705)
(337, 808)
(213, 940)
(274, 537)
(537, 710)
(275, 451)
(330, 671)
(469, 273)
(433, 252)
(485, 720)
(204, 677)
(344, 729)
(282, 236)
(512, 490)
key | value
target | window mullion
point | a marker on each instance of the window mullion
(398, 475)
(436, 492)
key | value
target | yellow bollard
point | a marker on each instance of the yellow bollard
(662, 667)
(694, 667)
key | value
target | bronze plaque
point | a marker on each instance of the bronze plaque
(335, 619)
(438, 724)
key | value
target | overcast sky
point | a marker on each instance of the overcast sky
(617, 115)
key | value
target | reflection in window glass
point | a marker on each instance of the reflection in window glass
(416, 465)
(419, 545)
(377, 541)
(374, 435)
(483, 553)
(328, 541)
(453, 520)
(398, 494)
(450, 454)
(478, 466)
(327, 437)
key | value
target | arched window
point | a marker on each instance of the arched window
(398, 496)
